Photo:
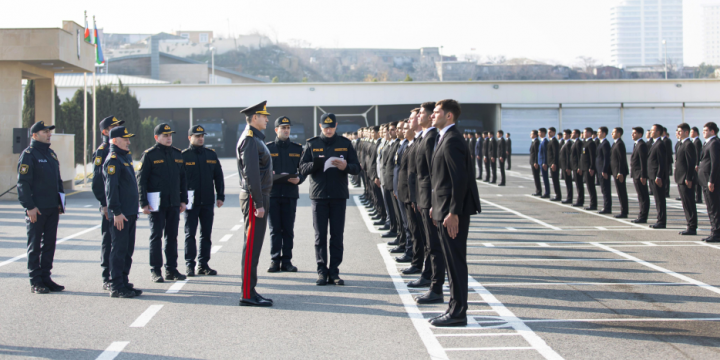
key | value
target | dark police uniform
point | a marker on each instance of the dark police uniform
(98, 188)
(255, 167)
(121, 193)
(328, 194)
(162, 170)
(39, 186)
(283, 199)
(202, 169)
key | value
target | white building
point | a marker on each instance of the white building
(637, 31)
(711, 34)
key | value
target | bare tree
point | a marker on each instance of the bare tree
(587, 63)
(496, 59)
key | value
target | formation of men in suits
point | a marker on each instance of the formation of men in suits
(495, 152)
(588, 158)
(430, 165)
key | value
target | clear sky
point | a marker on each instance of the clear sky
(556, 31)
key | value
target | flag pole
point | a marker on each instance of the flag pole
(85, 121)
(94, 130)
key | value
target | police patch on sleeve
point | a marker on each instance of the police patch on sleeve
(111, 169)
(249, 133)
(98, 161)
(24, 169)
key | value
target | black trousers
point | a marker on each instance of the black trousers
(621, 188)
(698, 193)
(403, 237)
(253, 242)
(480, 167)
(437, 261)
(546, 180)
(391, 217)
(455, 253)
(687, 197)
(666, 181)
(555, 176)
(568, 186)
(123, 247)
(42, 237)
(420, 258)
(488, 173)
(204, 215)
(502, 171)
(105, 247)
(606, 193)
(580, 188)
(379, 202)
(590, 182)
(712, 202)
(643, 198)
(493, 167)
(332, 212)
(659, 195)
(509, 158)
(536, 177)
(164, 221)
(282, 225)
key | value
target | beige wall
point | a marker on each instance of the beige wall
(186, 73)
(64, 147)
(10, 117)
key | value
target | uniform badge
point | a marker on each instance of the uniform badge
(199, 128)
(111, 169)
(54, 156)
(249, 133)
(98, 161)
(167, 127)
(328, 121)
(24, 169)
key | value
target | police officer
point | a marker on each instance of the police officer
(256, 180)
(121, 193)
(329, 194)
(40, 190)
(98, 188)
(202, 169)
(283, 197)
(162, 174)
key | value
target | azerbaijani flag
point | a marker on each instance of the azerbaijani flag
(99, 58)
(87, 32)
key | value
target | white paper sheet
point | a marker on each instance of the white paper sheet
(191, 199)
(154, 201)
(62, 200)
(328, 162)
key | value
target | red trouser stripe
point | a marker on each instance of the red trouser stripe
(247, 272)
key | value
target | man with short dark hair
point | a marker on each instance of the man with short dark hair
(587, 167)
(685, 176)
(543, 162)
(479, 144)
(695, 138)
(657, 168)
(639, 173)
(602, 164)
(565, 165)
(553, 158)
(501, 153)
(709, 175)
(577, 149)
(619, 170)
(493, 148)
(508, 149)
(486, 155)
(534, 150)
(669, 161)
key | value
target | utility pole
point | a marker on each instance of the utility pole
(212, 57)
(666, 68)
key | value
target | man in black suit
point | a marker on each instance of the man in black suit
(454, 199)
(501, 153)
(553, 159)
(602, 166)
(423, 162)
(619, 169)
(508, 149)
(685, 177)
(479, 137)
(587, 167)
(561, 142)
(695, 137)
(596, 140)
(657, 170)
(493, 148)
(486, 155)
(575, 152)
(668, 160)
(404, 237)
(639, 173)
(565, 165)
(709, 175)
(534, 150)
(650, 141)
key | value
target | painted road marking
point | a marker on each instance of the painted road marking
(215, 249)
(226, 238)
(236, 228)
(365, 216)
(606, 320)
(543, 244)
(600, 228)
(58, 242)
(521, 215)
(175, 288)
(113, 350)
(231, 175)
(511, 228)
(588, 212)
(145, 317)
(533, 260)
(488, 245)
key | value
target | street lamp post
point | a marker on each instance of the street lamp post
(212, 59)
(665, 46)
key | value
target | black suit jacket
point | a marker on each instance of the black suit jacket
(668, 153)
(575, 152)
(412, 169)
(423, 160)
(553, 153)
(709, 169)
(618, 159)
(534, 151)
(565, 155)
(508, 146)
(389, 164)
(698, 149)
(685, 160)
(602, 159)
(493, 148)
(587, 158)
(454, 188)
(501, 149)
(638, 161)
(403, 189)
(657, 161)
(485, 148)
(650, 142)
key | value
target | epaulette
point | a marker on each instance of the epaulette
(27, 151)
(112, 155)
(211, 149)
(312, 138)
(148, 150)
(177, 149)
(185, 150)
(269, 143)
(298, 144)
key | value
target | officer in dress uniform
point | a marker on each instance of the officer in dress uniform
(256, 181)
(329, 194)
(121, 197)
(39, 187)
(283, 197)
(162, 170)
(98, 188)
(205, 178)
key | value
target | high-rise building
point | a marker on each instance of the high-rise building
(637, 31)
(711, 34)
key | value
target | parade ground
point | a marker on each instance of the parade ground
(547, 280)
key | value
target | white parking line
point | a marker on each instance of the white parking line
(57, 242)
(543, 244)
(600, 228)
(113, 350)
(488, 245)
(215, 249)
(226, 238)
(606, 320)
(589, 212)
(586, 284)
(490, 348)
(521, 215)
(231, 175)
(175, 288)
(236, 228)
(145, 317)
(511, 228)
(532, 260)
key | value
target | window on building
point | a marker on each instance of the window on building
(203, 38)
(185, 35)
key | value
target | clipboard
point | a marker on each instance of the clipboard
(62, 201)
(284, 177)
(191, 200)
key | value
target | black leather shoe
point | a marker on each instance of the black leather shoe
(688, 232)
(446, 320)
(255, 301)
(156, 277)
(122, 293)
(621, 216)
(264, 298)
(379, 222)
(603, 211)
(335, 280)
(403, 259)
(39, 288)
(712, 239)
(321, 280)
(501, 184)
(288, 267)
(567, 201)
(174, 275)
(545, 197)
(397, 250)
(389, 234)
(136, 292)
(437, 316)
(205, 270)
(52, 286)
(429, 298)
(657, 226)
(189, 271)
(639, 221)
(419, 283)
(411, 270)
(394, 242)
(274, 266)
(384, 227)
(536, 194)
(492, 182)
(591, 208)
(577, 205)
(678, 198)
(556, 199)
